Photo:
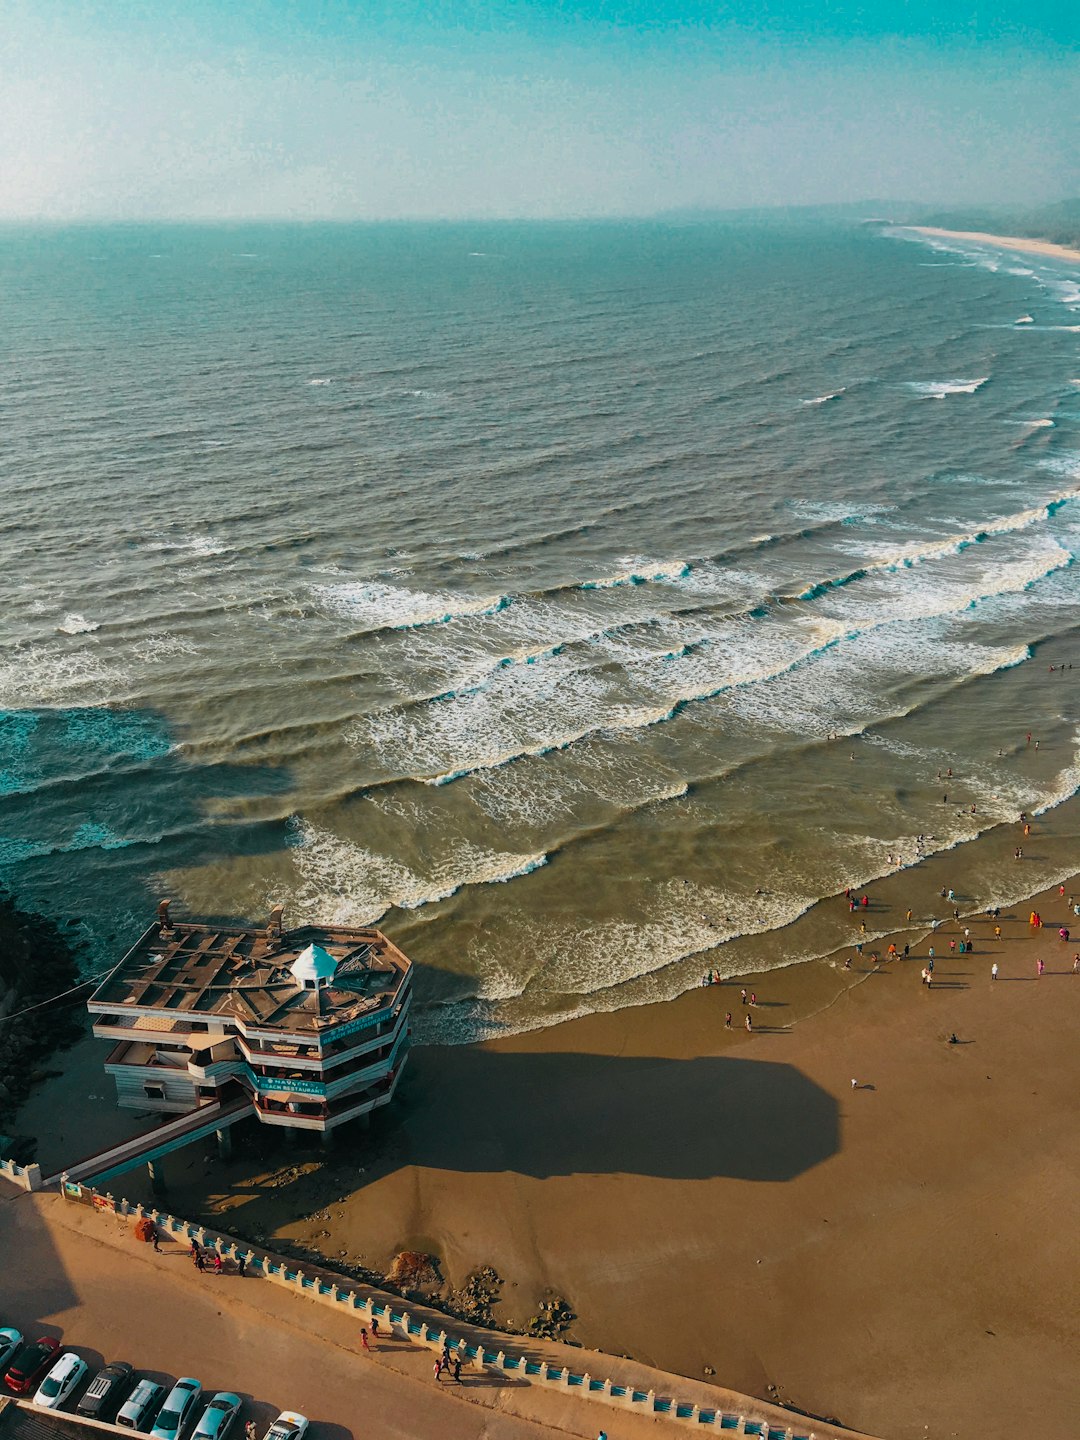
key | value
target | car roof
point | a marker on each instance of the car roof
(68, 1361)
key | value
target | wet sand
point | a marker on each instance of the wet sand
(898, 1255)
(1005, 242)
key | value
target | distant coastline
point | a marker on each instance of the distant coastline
(1005, 242)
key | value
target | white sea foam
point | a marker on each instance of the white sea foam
(75, 624)
(343, 883)
(373, 605)
(524, 712)
(822, 399)
(321, 381)
(640, 571)
(164, 647)
(201, 545)
(939, 389)
(1025, 320)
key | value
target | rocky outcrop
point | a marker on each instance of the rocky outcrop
(36, 964)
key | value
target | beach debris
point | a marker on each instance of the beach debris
(553, 1317)
(412, 1268)
(476, 1297)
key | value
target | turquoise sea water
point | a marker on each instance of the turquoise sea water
(504, 584)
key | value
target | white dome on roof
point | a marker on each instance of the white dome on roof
(313, 966)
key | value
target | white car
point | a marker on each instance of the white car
(288, 1426)
(10, 1340)
(61, 1380)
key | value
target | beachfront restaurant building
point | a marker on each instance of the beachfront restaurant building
(304, 1028)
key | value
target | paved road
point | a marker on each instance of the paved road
(80, 1275)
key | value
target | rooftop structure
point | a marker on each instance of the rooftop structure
(310, 1023)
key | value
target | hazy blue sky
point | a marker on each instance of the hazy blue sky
(373, 108)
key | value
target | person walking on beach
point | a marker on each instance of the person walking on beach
(753, 999)
(363, 1338)
(1076, 964)
(1040, 966)
(375, 1326)
(997, 932)
(993, 971)
(438, 1370)
(241, 1263)
(743, 997)
(155, 1240)
(907, 917)
(727, 1021)
(219, 1264)
(749, 1023)
(200, 1263)
(930, 963)
(193, 1248)
(457, 1369)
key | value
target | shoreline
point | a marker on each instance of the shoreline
(705, 1199)
(712, 1201)
(1025, 244)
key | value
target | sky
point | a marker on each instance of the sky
(381, 109)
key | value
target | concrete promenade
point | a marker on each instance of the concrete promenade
(80, 1273)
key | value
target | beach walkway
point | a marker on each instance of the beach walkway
(79, 1272)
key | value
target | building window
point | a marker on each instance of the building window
(154, 1092)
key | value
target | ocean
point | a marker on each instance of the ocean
(588, 605)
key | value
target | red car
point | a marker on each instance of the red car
(28, 1362)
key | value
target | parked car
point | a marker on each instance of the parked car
(29, 1362)
(105, 1391)
(180, 1406)
(139, 1409)
(217, 1419)
(10, 1340)
(61, 1380)
(289, 1425)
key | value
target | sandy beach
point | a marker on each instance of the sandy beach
(894, 1253)
(1006, 242)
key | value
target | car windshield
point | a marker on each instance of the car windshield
(51, 1386)
(168, 1420)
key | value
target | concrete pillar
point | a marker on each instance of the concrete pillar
(156, 1171)
(224, 1143)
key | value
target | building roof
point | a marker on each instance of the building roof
(185, 973)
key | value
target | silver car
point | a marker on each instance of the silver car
(180, 1406)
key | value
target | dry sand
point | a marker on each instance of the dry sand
(1005, 242)
(901, 1255)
